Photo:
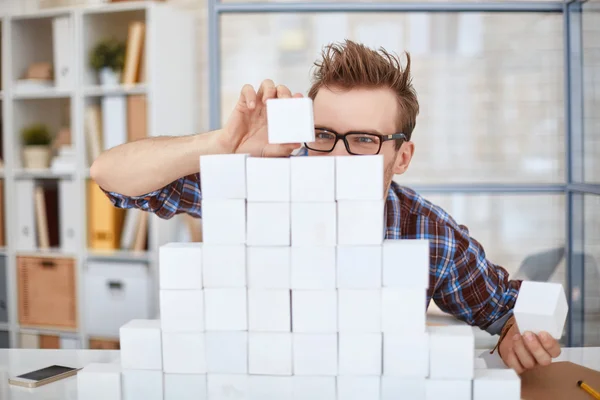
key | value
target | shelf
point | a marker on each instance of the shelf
(97, 91)
(4, 326)
(119, 255)
(48, 93)
(67, 333)
(54, 252)
(23, 173)
(3, 251)
(136, 5)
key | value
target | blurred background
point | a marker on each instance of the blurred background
(507, 140)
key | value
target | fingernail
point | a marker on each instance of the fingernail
(529, 336)
(252, 104)
(516, 337)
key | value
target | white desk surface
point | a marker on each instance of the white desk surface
(18, 361)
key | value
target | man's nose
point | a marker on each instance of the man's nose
(340, 149)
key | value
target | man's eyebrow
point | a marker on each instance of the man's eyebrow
(373, 131)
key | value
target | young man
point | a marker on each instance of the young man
(359, 96)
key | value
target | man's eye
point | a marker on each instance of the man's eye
(323, 136)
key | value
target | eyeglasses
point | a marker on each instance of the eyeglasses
(357, 143)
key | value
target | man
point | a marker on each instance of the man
(359, 95)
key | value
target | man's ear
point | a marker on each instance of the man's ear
(405, 154)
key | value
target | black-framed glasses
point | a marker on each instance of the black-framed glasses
(357, 143)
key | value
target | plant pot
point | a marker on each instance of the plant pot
(108, 77)
(36, 157)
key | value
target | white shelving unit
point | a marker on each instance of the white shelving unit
(169, 89)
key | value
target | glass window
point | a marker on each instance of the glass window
(591, 256)
(591, 90)
(491, 96)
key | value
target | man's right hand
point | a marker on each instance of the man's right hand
(246, 129)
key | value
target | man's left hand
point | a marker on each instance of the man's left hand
(528, 350)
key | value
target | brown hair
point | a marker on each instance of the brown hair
(349, 65)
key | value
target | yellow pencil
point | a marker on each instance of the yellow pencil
(588, 389)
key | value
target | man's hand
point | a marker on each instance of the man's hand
(246, 129)
(523, 352)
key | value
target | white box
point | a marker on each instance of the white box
(315, 354)
(359, 310)
(448, 389)
(541, 306)
(142, 385)
(359, 353)
(359, 267)
(268, 179)
(359, 178)
(394, 388)
(313, 268)
(227, 352)
(403, 311)
(313, 179)
(263, 387)
(314, 311)
(406, 263)
(223, 176)
(223, 221)
(269, 353)
(451, 352)
(313, 387)
(184, 353)
(269, 224)
(290, 120)
(224, 266)
(314, 224)
(227, 386)
(182, 310)
(406, 356)
(269, 267)
(496, 384)
(360, 222)
(180, 266)
(99, 381)
(358, 387)
(141, 344)
(225, 309)
(269, 310)
(185, 387)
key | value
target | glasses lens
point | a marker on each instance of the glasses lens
(324, 141)
(363, 143)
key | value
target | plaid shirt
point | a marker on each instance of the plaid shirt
(463, 282)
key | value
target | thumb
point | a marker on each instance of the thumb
(279, 150)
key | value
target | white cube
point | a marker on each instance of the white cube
(541, 307)
(313, 268)
(269, 224)
(269, 310)
(224, 266)
(182, 310)
(360, 222)
(359, 267)
(313, 179)
(268, 179)
(225, 309)
(359, 178)
(448, 389)
(314, 311)
(263, 387)
(359, 353)
(406, 356)
(394, 388)
(184, 353)
(359, 310)
(269, 267)
(223, 176)
(496, 384)
(290, 120)
(358, 387)
(403, 311)
(224, 221)
(406, 263)
(451, 352)
(185, 387)
(227, 352)
(313, 387)
(314, 224)
(99, 381)
(180, 265)
(315, 354)
(227, 386)
(269, 353)
(141, 344)
(142, 385)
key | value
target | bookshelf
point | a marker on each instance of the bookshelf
(89, 280)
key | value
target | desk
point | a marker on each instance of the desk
(18, 361)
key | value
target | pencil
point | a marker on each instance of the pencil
(588, 389)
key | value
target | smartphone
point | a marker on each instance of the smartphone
(43, 376)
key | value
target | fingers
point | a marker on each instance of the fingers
(525, 358)
(283, 92)
(535, 348)
(279, 150)
(267, 90)
(550, 344)
(298, 95)
(512, 361)
(248, 96)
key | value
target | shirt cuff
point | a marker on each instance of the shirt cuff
(496, 327)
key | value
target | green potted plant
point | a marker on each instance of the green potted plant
(107, 58)
(37, 142)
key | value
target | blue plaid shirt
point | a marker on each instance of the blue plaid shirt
(463, 282)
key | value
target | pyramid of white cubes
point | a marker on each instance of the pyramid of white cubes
(294, 294)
